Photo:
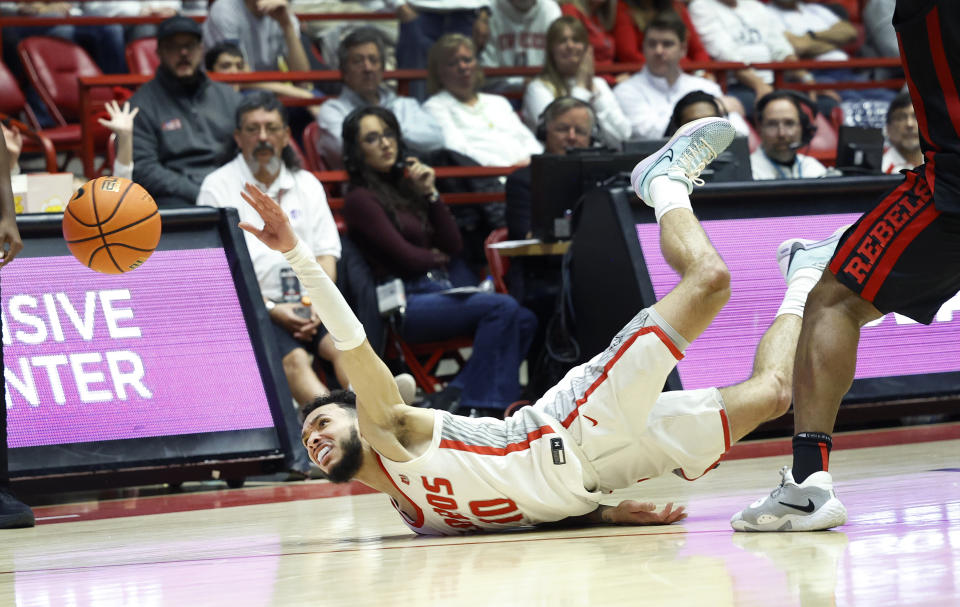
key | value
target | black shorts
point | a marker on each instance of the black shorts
(287, 344)
(904, 255)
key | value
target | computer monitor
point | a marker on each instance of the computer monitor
(859, 150)
(558, 182)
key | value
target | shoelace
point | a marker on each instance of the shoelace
(783, 481)
(698, 154)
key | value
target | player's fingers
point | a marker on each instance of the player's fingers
(250, 228)
(134, 113)
(104, 122)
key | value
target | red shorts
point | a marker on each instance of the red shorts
(904, 255)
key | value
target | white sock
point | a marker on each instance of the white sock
(798, 288)
(668, 194)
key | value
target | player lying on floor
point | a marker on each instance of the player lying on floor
(605, 426)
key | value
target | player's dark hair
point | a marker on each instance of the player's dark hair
(345, 399)
(211, 56)
(899, 102)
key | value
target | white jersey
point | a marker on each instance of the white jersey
(605, 426)
(484, 473)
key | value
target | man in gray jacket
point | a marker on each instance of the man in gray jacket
(361, 63)
(185, 121)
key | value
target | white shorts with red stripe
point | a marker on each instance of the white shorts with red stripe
(627, 430)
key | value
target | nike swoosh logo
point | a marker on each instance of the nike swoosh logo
(591, 419)
(808, 508)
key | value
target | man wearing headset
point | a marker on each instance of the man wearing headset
(567, 123)
(784, 129)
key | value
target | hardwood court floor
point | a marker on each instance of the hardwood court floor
(290, 544)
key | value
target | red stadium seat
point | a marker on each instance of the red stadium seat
(497, 262)
(311, 138)
(423, 358)
(142, 56)
(53, 67)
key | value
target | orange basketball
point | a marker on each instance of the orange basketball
(111, 225)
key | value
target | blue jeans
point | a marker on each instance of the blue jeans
(416, 37)
(502, 330)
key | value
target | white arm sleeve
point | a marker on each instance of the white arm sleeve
(327, 300)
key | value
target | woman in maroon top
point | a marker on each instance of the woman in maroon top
(394, 214)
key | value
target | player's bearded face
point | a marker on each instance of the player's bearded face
(351, 456)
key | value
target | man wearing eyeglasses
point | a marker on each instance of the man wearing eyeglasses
(903, 133)
(185, 121)
(264, 157)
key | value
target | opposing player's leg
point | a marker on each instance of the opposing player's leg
(896, 276)
(664, 181)
(767, 393)
(691, 429)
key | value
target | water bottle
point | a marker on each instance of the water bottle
(487, 285)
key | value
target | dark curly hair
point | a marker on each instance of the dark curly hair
(393, 189)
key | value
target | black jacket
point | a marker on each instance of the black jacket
(180, 135)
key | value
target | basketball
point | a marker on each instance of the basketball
(111, 225)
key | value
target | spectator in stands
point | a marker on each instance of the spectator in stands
(644, 11)
(186, 120)
(361, 63)
(566, 123)
(693, 106)
(784, 128)
(517, 32)
(397, 218)
(265, 159)
(120, 122)
(424, 22)
(610, 30)
(134, 8)
(878, 21)
(648, 97)
(481, 126)
(266, 31)
(903, 132)
(744, 31)
(569, 72)
(814, 30)
(227, 58)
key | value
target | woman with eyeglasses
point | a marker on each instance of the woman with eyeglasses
(394, 214)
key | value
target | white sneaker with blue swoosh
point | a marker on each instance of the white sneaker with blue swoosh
(809, 506)
(694, 146)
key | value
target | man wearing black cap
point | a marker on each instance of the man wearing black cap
(185, 121)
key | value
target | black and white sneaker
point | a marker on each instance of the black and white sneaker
(809, 506)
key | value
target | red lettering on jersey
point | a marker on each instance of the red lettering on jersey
(439, 501)
(485, 510)
(437, 484)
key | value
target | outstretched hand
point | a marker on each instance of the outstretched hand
(121, 118)
(632, 512)
(276, 232)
